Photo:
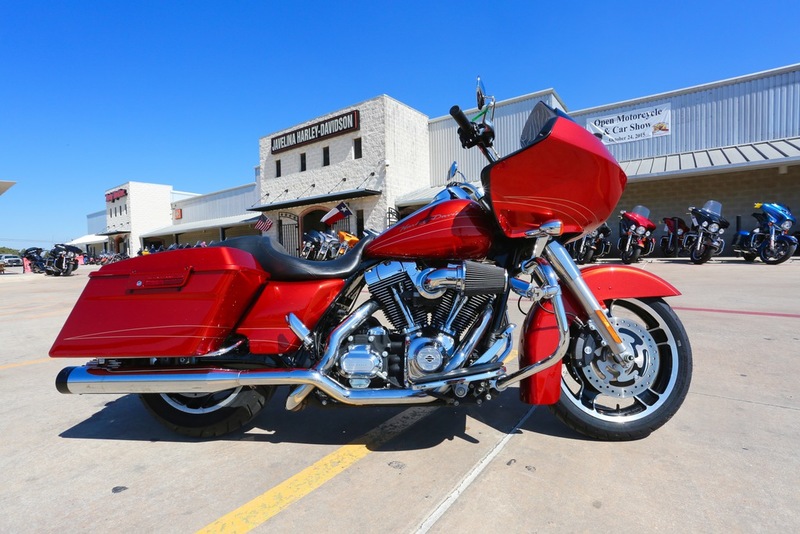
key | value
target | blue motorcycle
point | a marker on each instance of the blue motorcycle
(771, 240)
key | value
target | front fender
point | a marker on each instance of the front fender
(539, 337)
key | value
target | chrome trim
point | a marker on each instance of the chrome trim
(468, 345)
(224, 350)
(335, 340)
(300, 330)
(549, 275)
(81, 380)
(570, 275)
(499, 349)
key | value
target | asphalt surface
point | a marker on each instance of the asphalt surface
(727, 462)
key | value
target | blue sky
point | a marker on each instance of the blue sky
(97, 93)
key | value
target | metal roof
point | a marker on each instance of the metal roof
(173, 229)
(305, 201)
(746, 156)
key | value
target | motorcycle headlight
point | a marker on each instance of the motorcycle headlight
(713, 227)
(705, 224)
(640, 230)
(721, 231)
(786, 225)
(633, 227)
(680, 231)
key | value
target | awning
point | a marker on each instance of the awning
(89, 239)
(221, 222)
(748, 156)
(280, 203)
(114, 232)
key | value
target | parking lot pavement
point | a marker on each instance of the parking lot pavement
(726, 462)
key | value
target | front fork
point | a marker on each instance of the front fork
(555, 268)
(570, 275)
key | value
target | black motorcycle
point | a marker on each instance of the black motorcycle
(35, 258)
(703, 240)
(62, 260)
(592, 246)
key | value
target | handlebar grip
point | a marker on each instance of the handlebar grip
(461, 119)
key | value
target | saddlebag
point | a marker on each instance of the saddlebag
(175, 303)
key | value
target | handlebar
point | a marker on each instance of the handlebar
(461, 119)
(471, 134)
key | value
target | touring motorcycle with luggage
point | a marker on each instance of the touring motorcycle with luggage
(62, 260)
(770, 240)
(635, 234)
(703, 240)
(206, 335)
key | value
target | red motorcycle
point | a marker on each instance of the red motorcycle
(635, 234)
(414, 315)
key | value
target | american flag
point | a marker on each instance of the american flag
(263, 223)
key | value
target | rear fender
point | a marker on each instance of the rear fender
(539, 337)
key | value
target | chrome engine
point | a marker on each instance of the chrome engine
(435, 319)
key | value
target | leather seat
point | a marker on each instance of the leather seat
(281, 265)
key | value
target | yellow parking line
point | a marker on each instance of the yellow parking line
(267, 505)
(21, 364)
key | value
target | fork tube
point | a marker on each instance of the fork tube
(570, 274)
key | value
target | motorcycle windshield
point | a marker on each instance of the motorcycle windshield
(713, 206)
(641, 210)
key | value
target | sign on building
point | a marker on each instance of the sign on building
(644, 123)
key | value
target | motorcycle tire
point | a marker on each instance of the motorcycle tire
(604, 400)
(783, 250)
(701, 256)
(631, 255)
(667, 251)
(749, 257)
(205, 415)
(588, 257)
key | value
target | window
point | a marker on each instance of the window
(326, 156)
(302, 162)
(357, 148)
(277, 168)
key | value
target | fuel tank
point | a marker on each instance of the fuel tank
(450, 229)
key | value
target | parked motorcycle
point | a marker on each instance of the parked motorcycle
(591, 246)
(62, 260)
(703, 240)
(319, 246)
(35, 258)
(414, 315)
(635, 234)
(770, 240)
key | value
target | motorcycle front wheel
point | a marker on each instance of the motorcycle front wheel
(205, 415)
(783, 250)
(631, 255)
(605, 400)
(701, 256)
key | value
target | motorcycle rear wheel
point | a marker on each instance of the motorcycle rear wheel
(604, 400)
(205, 415)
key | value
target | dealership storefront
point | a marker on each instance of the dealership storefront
(736, 141)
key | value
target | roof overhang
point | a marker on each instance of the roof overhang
(114, 232)
(305, 201)
(220, 222)
(88, 239)
(745, 157)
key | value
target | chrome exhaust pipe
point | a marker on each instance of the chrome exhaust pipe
(85, 380)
